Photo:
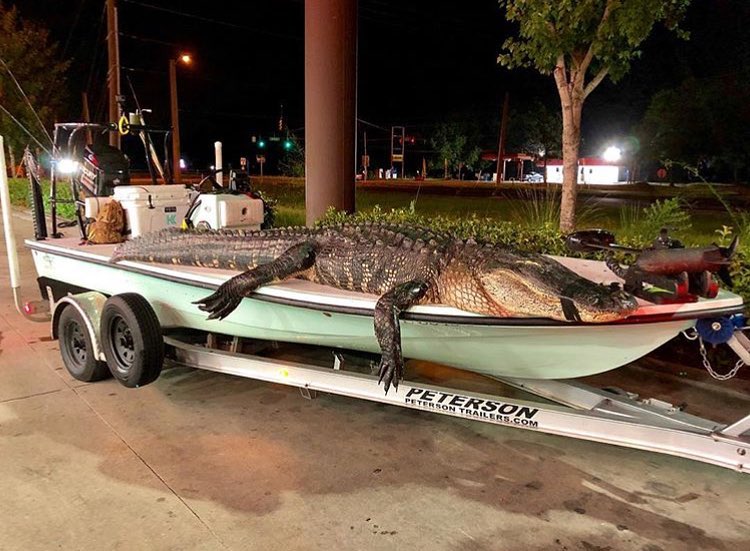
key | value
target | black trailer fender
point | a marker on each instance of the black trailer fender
(89, 305)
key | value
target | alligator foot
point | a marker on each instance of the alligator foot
(221, 303)
(227, 297)
(391, 370)
(387, 329)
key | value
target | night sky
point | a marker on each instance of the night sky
(420, 61)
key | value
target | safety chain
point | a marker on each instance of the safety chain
(707, 365)
(691, 334)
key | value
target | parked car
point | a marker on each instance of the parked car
(533, 178)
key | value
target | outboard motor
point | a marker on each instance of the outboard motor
(103, 168)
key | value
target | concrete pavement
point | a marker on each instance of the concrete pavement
(206, 461)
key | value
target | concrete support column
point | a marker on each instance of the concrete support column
(330, 90)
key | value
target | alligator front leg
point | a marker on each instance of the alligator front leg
(388, 331)
(227, 297)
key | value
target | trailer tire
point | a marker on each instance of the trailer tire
(77, 348)
(132, 340)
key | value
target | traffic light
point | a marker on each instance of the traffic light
(261, 144)
(288, 144)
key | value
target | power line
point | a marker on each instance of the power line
(73, 26)
(210, 20)
(145, 39)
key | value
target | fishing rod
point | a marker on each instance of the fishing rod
(26, 99)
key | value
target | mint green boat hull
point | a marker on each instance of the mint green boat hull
(525, 351)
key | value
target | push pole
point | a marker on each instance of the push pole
(330, 90)
(113, 70)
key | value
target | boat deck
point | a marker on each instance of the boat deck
(301, 292)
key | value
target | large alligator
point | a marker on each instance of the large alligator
(404, 265)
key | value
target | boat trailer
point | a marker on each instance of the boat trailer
(578, 411)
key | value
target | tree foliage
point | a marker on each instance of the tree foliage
(292, 162)
(704, 123)
(34, 60)
(604, 35)
(457, 142)
(535, 130)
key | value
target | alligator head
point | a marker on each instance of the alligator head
(531, 285)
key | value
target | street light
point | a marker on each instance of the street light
(612, 154)
(185, 59)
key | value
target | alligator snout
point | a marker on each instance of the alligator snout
(604, 303)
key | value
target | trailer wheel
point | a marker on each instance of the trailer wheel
(132, 340)
(77, 349)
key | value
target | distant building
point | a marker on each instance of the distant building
(513, 167)
(591, 170)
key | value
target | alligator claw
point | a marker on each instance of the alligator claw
(220, 304)
(391, 371)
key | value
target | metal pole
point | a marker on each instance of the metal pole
(113, 72)
(330, 90)
(176, 171)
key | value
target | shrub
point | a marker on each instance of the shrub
(547, 238)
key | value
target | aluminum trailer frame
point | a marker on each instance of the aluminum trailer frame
(580, 411)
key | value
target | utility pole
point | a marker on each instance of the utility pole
(113, 71)
(501, 144)
(176, 171)
(365, 157)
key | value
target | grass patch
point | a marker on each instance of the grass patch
(20, 196)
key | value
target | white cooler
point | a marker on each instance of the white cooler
(152, 208)
(224, 210)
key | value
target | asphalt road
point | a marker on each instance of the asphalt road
(206, 461)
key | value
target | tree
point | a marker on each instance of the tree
(702, 123)
(456, 144)
(28, 53)
(536, 131)
(566, 39)
(292, 162)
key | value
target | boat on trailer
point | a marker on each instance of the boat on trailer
(120, 318)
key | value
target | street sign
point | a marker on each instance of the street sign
(397, 158)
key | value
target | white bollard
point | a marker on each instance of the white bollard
(218, 165)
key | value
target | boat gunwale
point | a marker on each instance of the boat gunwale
(134, 267)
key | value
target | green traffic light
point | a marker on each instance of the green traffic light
(287, 144)
(261, 144)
